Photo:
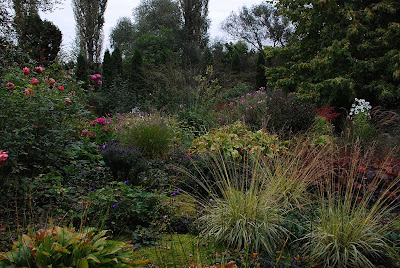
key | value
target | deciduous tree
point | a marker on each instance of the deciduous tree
(89, 17)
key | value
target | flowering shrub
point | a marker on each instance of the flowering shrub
(37, 121)
(237, 140)
(3, 156)
(252, 108)
(101, 130)
(360, 118)
(122, 160)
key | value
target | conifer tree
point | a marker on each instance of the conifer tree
(341, 50)
(81, 72)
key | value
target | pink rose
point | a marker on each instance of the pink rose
(26, 71)
(67, 100)
(29, 91)
(99, 82)
(98, 76)
(61, 88)
(94, 77)
(10, 85)
(3, 156)
(84, 132)
(34, 81)
(39, 69)
(52, 82)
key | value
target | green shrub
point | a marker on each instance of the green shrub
(122, 207)
(64, 247)
(41, 112)
(151, 133)
(237, 140)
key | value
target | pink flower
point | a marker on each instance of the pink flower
(29, 91)
(39, 69)
(94, 77)
(99, 82)
(3, 156)
(67, 100)
(61, 88)
(98, 76)
(34, 81)
(101, 120)
(52, 82)
(84, 132)
(26, 71)
(10, 85)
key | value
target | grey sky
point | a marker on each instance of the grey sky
(64, 18)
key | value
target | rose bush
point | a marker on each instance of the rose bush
(37, 120)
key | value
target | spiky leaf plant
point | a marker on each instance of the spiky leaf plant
(247, 205)
(351, 229)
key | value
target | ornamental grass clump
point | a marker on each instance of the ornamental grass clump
(151, 133)
(247, 206)
(352, 223)
(238, 213)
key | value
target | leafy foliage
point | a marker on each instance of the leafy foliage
(341, 50)
(237, 141)
(62, 246)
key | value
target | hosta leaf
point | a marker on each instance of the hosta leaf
(82, 263)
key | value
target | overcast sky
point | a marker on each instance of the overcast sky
(64, 16)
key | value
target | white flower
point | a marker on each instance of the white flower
(356, 112)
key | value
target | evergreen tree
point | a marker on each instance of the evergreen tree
(108, 71)
(261, 80)
(81, 72)
(341, 50)
(137, 79)
(116, 63)
(207, 59)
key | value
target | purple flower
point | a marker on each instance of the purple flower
(115, 206)
(174, 193)
(126, 182)
(211, 200)
(92, 189)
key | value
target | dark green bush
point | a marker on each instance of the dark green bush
(122, 207)
(288, 114)
(124, 161)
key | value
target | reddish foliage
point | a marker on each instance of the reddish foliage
(327, 112)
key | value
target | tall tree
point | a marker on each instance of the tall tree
(81, 71)
(195, 27)
(89, 17)
(152, 15)
(342, 50)
(25, 8)
(40, 39)
(258, 26)
(123, 35)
